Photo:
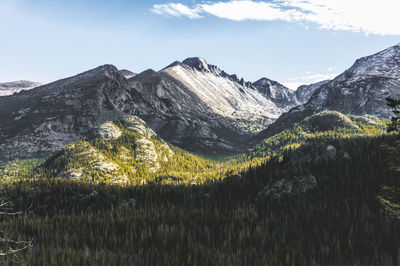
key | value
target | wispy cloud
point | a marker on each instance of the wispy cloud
(312, 78)
(176, 10)
(309, 78)
(250, 10)
(367, 16)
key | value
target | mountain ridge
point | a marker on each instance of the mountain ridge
(359, 90)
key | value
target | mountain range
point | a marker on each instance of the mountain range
(191, 104)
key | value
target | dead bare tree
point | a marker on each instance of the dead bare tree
(10, 247)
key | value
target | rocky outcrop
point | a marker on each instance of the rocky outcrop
(135, 124)
(315, 153)
(295, 186)
(108, 130)
(109, 158)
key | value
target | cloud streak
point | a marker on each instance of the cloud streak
(176, 10)
(369, 17)
(310, 78)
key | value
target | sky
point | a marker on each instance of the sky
(291, 41)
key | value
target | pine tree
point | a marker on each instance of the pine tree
(393, 126)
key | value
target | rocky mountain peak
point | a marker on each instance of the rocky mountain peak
(197, 63)
(384, 64)
(264, 81)
(107, 70)
(95, 75)
(274, 91)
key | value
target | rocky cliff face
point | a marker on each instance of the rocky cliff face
(9, 88)
(360, 90)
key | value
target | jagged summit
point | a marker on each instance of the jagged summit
(275, 91)
(226, 94)
(200, 64)
(197, 63)
(107, 69)
(264, 85)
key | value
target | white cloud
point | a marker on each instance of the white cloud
(292, 85)
(176, 10)
(309, 78)
(312, 78)
(367, 16)
(250, 10)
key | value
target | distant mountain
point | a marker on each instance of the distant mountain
(9, 88)
(282, 96)
(191, 104)
(360, 90)
(304, 92)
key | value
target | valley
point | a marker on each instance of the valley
(190, 165)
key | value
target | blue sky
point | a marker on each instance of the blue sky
(291, 41)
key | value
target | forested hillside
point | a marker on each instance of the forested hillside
(323, 193)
